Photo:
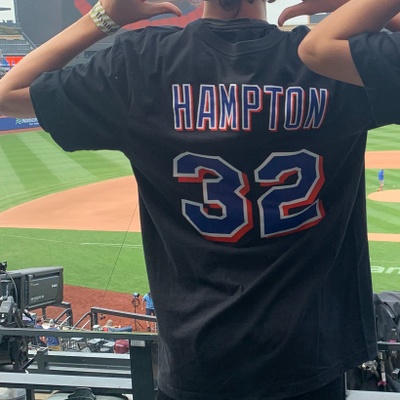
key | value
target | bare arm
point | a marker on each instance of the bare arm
(308, 7)
(326, 48)
(57, 52)
(311, 7)
(394, 24)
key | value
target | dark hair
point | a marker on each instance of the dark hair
(229, 5)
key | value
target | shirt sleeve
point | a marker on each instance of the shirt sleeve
(85, 107)
(377, 59)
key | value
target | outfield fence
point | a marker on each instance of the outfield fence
(11, 124)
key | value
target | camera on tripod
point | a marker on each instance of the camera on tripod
(20, 291)
(135, 300)
(3, 266)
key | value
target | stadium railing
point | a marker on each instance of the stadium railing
(131, 373)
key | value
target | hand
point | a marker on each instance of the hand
(125, 12)
(308, 7)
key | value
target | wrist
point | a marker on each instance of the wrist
(102, 20)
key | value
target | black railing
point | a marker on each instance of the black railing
(133, 373)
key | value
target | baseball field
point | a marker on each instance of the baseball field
(79, 210)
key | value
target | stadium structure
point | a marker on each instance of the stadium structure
(14, 44)
(37, 21)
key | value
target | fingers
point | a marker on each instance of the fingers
(163, 8)
(128, 12)
(295, 11)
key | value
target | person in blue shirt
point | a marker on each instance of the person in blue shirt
(39, 340)
(148, 301)
(53, 342)
(381, 179)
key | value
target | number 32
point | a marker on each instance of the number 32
(225, 214)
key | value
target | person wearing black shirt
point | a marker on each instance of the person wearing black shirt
(250, 170)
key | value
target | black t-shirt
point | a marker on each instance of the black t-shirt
(376, 56)
(251, 187)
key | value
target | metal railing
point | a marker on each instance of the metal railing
(133, 373)
(69, 370)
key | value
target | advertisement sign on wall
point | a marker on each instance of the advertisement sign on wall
(11, 124)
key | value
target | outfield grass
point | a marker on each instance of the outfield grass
(384, 217)
(99, 260)
(32, 166)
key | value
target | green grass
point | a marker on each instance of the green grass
(385, 138)
(385, 265)
(101, 260)
(32, 166)
(384, 217)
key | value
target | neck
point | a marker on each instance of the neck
(255, 10)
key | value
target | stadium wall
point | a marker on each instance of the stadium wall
(16, 124)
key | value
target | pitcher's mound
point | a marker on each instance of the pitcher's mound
(390, 196)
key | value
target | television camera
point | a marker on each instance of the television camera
(21, 291)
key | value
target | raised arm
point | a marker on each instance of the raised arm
(57, 52)
(308, 7)
(326, 48)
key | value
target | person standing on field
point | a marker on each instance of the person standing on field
(149, 307)
(381, 179)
